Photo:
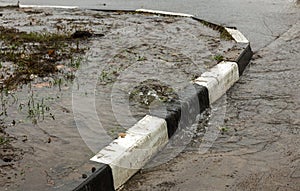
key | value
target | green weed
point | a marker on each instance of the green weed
(218, 58)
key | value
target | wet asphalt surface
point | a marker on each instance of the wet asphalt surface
(259, 150)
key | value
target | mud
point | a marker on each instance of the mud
(259, 148)
(55, 54)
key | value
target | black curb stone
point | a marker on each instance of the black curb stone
(244, 59)
(100, 180)
(183, 113)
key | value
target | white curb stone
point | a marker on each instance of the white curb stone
(219, 79)
(164, 12)
(127, 155)
(237, 35)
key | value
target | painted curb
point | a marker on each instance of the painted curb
(101, 179)
(219, 79)
(151, 134)
(163, 13)
(140, 143)
(148, 136)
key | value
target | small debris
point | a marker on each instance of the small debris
(41, 85)
(81, 34)
(32, 76)
(93, 169)
(51, 52)
(51, 115)
(122, 135)
(99, 35)
(24, 138)
(84, 176)
(5, 159)
(60, 67)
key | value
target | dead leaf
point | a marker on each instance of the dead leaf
(41, 85)
(59, 67)
(51, 52)
(122, 135)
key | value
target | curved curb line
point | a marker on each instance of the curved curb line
(163, 13)
(148, 136)
(219, 79)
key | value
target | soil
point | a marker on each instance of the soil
(49, 59)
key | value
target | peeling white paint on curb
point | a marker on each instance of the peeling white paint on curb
(127, 155)
(219, 79)
(237, 35)
(163, 12)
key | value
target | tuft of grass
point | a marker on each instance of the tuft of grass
(36, 53)
(223, 130)
(3, 140)
(218, 58)
(76, 62)
(225, 35)
(141, 58)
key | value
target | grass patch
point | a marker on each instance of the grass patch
(36, 53)
(218, 58)
(3, 140)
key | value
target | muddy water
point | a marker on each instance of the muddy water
(170, 50)
(259, 149)
(77, 118)
(261, 21)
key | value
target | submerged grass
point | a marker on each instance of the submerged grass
(35, 53)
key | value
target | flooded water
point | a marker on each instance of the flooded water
(47, 148)
(258, 148)
(269, 18)
(76, 118)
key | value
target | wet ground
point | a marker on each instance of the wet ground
(121, 55)
(257, 149)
